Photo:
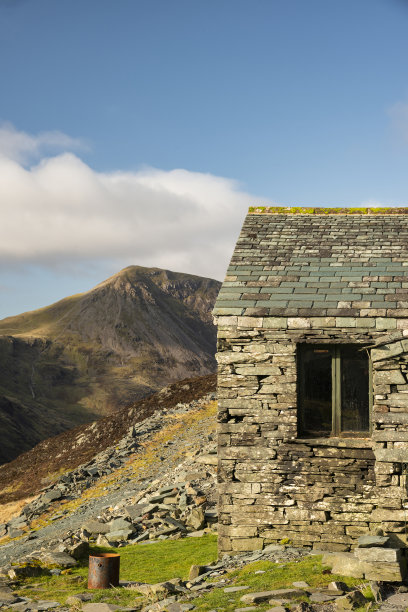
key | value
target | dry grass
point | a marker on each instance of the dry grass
(12, 509)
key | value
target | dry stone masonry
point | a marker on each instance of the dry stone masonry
(306, 285)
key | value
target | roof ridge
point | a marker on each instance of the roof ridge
(305, 210)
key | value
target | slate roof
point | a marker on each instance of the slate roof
(319, 262)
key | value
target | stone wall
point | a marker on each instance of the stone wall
(320, 493)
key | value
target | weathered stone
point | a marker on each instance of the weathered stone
(25, 571)
(96, 527)
(235, 589)
(385, 352)
(389, 377)
(161, 588)
(179, 607)
(352, 600)
(99, 607)
(51, 496)
(14, 533)
(42, 605)
(196, 519)
(207, 459)
(59, 559)
(384, 572)
(243, 544)
(7, 596)
(258, 597)
(321, 597)
(337, 586)
(119, 525)
(196, 570)
(374, 554)
(79, 550)
(139, 510)
(78, 599)
(121, 535)
(368, 541)
(345, 564)
(102, 540)
(286, 594)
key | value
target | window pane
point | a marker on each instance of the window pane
(354, 389)
(315, 386)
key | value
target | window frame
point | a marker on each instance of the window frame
(335, 351)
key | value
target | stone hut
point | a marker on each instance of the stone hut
(312, 380)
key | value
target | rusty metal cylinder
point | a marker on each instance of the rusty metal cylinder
(103, 571)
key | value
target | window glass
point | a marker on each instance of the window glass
(354, 389)
(315, 390)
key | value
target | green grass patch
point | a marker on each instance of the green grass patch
(168, 559)
(149, 563)
(275, 576)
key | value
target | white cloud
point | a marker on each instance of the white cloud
(61, 211)
(23, 147)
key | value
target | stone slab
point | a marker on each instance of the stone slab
(376, 554)
(368, 541)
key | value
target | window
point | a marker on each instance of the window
(333, 390)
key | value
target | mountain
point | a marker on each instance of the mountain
(91, 354)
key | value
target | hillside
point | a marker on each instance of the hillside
(91, 354)
(34, 469)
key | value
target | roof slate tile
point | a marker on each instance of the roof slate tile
(318, 260)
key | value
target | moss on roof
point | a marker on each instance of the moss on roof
(301, 210)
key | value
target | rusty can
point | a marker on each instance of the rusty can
(103, 571)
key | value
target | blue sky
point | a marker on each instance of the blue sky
(138, 131)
